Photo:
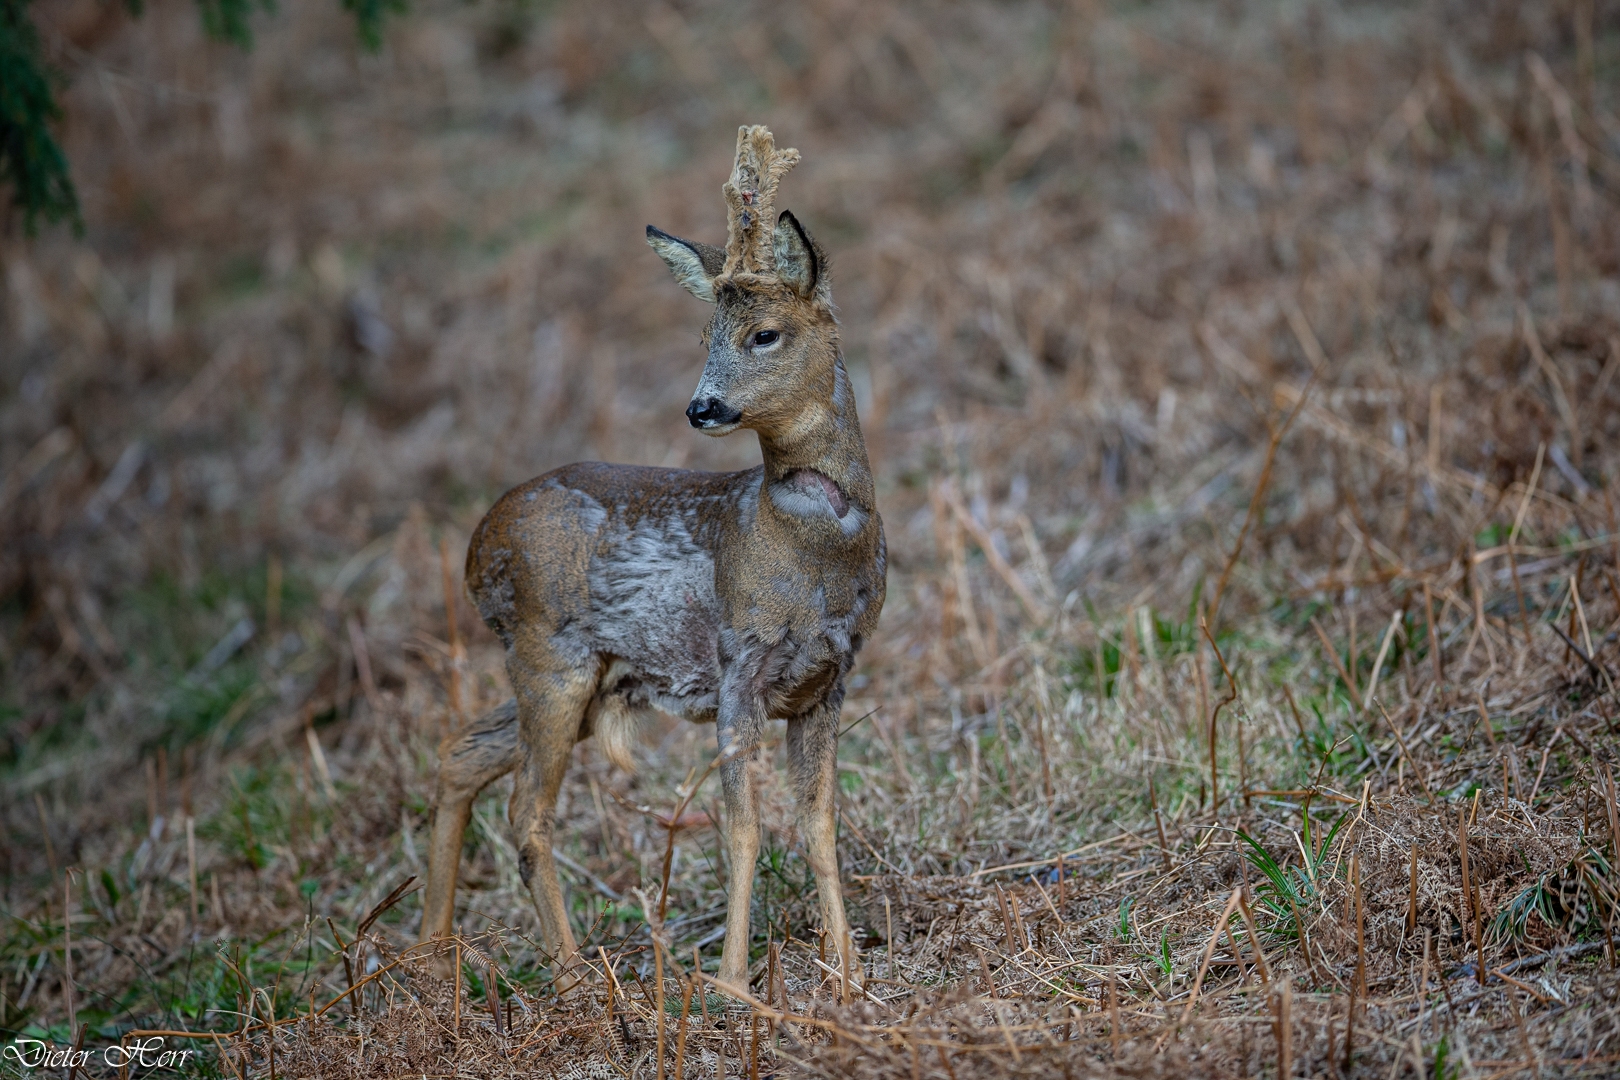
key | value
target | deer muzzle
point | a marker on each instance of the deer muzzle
(708, 412)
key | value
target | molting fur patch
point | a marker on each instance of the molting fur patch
(652, 598)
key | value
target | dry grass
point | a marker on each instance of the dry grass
(1241, 378)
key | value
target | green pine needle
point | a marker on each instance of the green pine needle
(31, 160)
(32, 163)
(369, 16)
(227, 20)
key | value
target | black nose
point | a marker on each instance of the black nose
(710, 412)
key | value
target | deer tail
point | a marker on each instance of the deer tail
(617, 726)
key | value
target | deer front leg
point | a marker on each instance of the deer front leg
(812, 741)
(738, 734)
(469, 761)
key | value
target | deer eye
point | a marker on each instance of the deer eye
(764, 337)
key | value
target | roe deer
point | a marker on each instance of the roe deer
(726, 598)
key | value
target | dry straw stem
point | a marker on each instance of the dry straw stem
(1338, 664)
(1513, 538)
(1436, 655)
(1114, 1031)
(1283, 1027)
(1412, 894)
(1032, 606)
(1361, 924)
(317, 755)
(687, 792)
(687, 986)
(191, 867)
(1378, 664)
(658, 1001)
(362, 663)
(1263, 485)
(68, 993)
(1545, 364)
(1350, 1025)
(1612, 804)
(1215, 717)
(1254, 936)
(348, 965)
(1417, 766)
(1220, 927)
(1158, 823)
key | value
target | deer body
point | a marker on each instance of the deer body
(725, 598)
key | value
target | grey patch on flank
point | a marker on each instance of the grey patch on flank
(652, 598)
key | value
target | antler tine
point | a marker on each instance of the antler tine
(750, 197)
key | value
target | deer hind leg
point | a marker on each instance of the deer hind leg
(552, 696)
(468, 762)
(812, 741)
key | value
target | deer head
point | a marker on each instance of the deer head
(773, 339)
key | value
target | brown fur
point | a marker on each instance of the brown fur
(731, 598)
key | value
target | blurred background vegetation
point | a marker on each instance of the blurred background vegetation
(326, 281)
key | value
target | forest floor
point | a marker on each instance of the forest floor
(1243, 385)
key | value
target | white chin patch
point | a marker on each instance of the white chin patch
(718, 430)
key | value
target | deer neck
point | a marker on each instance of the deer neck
(822, 448)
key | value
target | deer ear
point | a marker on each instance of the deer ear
(693, 264)
(797, 261)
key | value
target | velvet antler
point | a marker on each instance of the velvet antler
(750, 195)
